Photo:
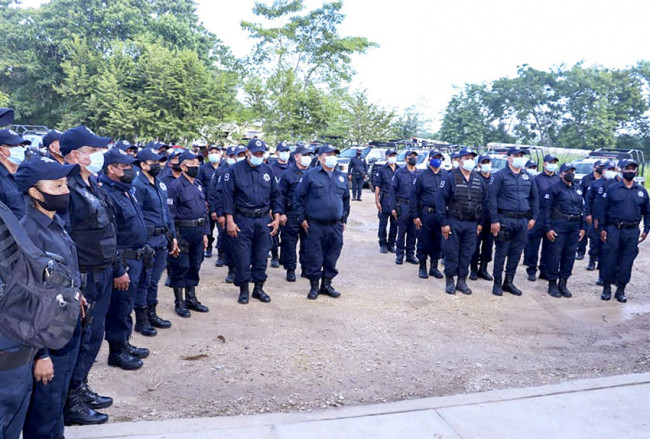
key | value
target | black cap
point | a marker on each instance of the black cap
(566, 166)
(516, 150)
(466, 151)
(6, 116)
(12, 138)
(125, 145)
(256, 145)
(549, 158)
(303, 149)
(79, 137)
(484, 157)
(51, 136)
(116, 155)
(530, 164)
(327, 148)
(435, 152)
(149, 154)
(627, 162)
(41, 168)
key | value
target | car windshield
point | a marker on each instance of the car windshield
(584, 168)
(352, 152)
(499, 163)
(421, 156)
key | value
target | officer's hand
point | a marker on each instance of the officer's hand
(344, 226)
(378, 204)
(221, 221)
(214, 216)
(350, 177)
(494, 228)
(551, 235)
(582, 235)
(283, 220)
(589, 219)
(479, 229)
(44, 370)
(531, 225)
(205, 242)
(417, 222)
(603, 236)
(596, 224)
(446, 231)
(232, 229)
(82, 304)
(275, 225)
(122, 283)
(394, 213)
(176, 250)
(643, 237)
(305, 226)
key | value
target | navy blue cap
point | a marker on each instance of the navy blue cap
(466, 151)
(435, 152)
(125, 145)
(41, 168)
(327, 148)
(256, 145)
(599, 163)
(6, 116)
(484, 157)
(116, 155)
(530, 164)
(566, 166)
(627, 162)
(516, 150)
(79, 137)
(239, 149)
(609, 164)
(303, 149)
(187, 155)
(51, 136)
(211, 147)
(409, 152)
(12, 138)
(282, 146)
(149, 154)
(549, 158)
(391, 151)
(231, 150)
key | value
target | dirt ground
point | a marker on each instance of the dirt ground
(391, 336)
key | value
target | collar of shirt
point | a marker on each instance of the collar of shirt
(42, 219)
(4, 172)
(186, 182)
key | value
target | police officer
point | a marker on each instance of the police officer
(425, 202)
(173, 169)
(485, 240)
(127, 147)
(463, 199)
(117, 181)
(291, 229)
(564, 224)
(537, 236)
(531, 168)
(400, 206)
(187, 205)
(206, 171)
(586, 181)
(514, 208)
(322, 204)
(251, 198)
(592, 203)
(89, 222)
(44, 181)
(382, 181)
(357, 172)
(625, 203)
(151, 196)
(51, 143)
(12, 154)
(280, 165)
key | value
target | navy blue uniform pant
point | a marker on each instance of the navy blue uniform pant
(98, 291)
(45, 414)
(562, 252)
(595, 244)
(386, 220)
(212, 225)
(429, 237)
(357, 186)
(484, 243)
(459, 247)
(582, 246)
(406, 231)
(510, 249)
(291, 233)
(619, 252)
(184, 270)
(531, 251)
(275, 245)
(323, 244)
(149, 278)
(251, 248)
(15, 391)
(119, 324)
(221, 238)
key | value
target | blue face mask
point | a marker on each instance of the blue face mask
(519, 162)
(256, 161)
(435, 163)
(96, 162)
(331, 161)
(16, 155)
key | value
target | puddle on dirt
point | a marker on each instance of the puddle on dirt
(612, 312)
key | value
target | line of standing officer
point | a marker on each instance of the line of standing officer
(357, 173)
(400, 207)
(382, 182)
(586, 181)
(12, 154)
(592, 202)
(279, 166)
(206, 171)
(485, 240)
(589, 190)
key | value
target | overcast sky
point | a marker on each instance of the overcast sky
(426, 47)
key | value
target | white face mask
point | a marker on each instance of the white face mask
(455, 164)
(392, 160)
(305, 160)
(239, 159)
(96, 162)
(331, 161)
(469, 165)
(610, 174)
(256, 161)
(284, 155)
(551, 167)
(486, 168)
(231, 161)
(214, 157)
(16, 155)
(532, 172)
(519, 162)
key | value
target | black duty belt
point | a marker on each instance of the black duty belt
(516, 215)
(12, 360)
(626, 225)
(132, 253)
(465, 218)
(563, 217)
(253, 213)
(323, 223)
(404, 200)
(428, 209)
(95, 269)
(157, 231)
(190, 223)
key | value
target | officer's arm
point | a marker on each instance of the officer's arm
(446, 193)
(392, 193)
(228, 192)
(277, 204)
(172, 200)
(645, 211)
(283, 187)
(602, 207)
(589, 199)
(212, 196)
(140, 193)
(534, 199)
(415, 198)
(299, 197)
(485, 214)
(346, 204)
(494, 187)
(549, 198)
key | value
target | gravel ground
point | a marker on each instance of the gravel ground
(391, 336)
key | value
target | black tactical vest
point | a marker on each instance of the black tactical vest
(468, 197)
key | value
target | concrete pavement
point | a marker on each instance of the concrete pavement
(596, 408)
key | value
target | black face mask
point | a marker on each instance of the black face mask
(128, 177)
(154, 169)
(55, 203)
(569, 177)
(413, 161)
(176, 167)
(629, 175)
(192, 171)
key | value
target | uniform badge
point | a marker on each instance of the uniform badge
(641, 194)
(200, 188)
(47, 160)
(267, 177)
(341, 179)
(258, 143)
(121, 152)
(525, 177)
(547, 196)
(579, 192)
(163, 186)
(170, 202)
(491, 180)
(600, 190)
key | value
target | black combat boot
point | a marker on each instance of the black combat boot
(422, 274)
(399, 260)
(77, 412)
(591, 266)
(208, 252)
(563, 288)
(313, 289)
(291, 275)
(391, 248)
(620, 294)
(461, 285)
(483, 272)
(553, 290)
(510, 287)
(259, 294)
(450, 288)
(230, 278)
(219, 261)
(607, 292)
(327, 288)
(275, 262)
(118, 356)
(383, 249)
(580, 256)
(433, 270)
(142, 323)
(191, 302)
(135, 351)
(179, 303)
(412, 259)
(155, 320)
(497, 290)
(92, 399)
(473, 272)
(243, 294)
(531, 273)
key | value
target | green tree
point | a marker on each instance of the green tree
(361, 121)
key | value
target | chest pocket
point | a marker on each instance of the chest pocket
(525, 186)
(126, 209)
(187, 198)
(341, 187)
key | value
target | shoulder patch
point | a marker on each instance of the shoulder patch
(605, 195)
(442, 184)
(641, 194)
(579, 192)
(525, 176)
(170, 201)
(163, 186)
(267, 177)
(341, 179)
(601, 190)
(226, 177)
(547, 196)
(491, 180)
(200, 188)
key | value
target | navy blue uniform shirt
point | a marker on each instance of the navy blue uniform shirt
(215, 192)
(278, 169)
(383, 179)
(401, 186)
(586, 181)
(598, 201)
(426, 191)
(621, 204)
(10, 195)
(152, 199)
(358, 166)
(206, 171)
(131, 229)
(592, 194)
(564, 199)
(322, 196)
(250, 188)
(288, 184)
(516, 193)
(544, 183)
